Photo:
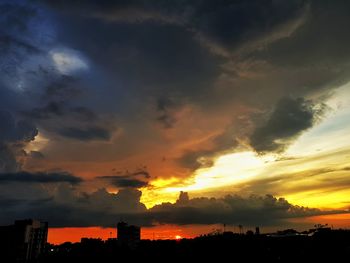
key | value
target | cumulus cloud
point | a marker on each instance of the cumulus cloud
(67, 206)
(231, 209)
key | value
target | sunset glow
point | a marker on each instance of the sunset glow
(181, 118)
(159, 232)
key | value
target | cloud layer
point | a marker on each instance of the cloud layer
(195, 61)
(93, 88)
(67, 206)
(39, 177)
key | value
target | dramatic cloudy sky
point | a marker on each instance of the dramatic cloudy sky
(174, 112)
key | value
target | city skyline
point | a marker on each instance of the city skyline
(177, 116)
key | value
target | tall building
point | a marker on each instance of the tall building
(257, 230)
(128, 235)
(24, 241)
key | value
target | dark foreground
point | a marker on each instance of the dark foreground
(331, 246)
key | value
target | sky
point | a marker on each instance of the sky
(174, 115)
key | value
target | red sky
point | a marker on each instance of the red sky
(74, 234)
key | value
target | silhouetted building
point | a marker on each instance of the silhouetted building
(257, 231)
(128, 235)
(91, 241)
(249, 233)
(24, 241)
(329, 246)
(287, 233)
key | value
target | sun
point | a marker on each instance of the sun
(177, 237)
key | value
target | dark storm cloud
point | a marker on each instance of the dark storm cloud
(178, 31)
(54, 109)
(288, 120)
(268, 31)
(133, 183)
(167, 58)
(212, 55)
(57, 98)
(8, 160)
(320, 39)
(18, 41)
(137, 179)
(84, 113)
(13, 136)
(8, 42)
(30, 71)
(13, 131)
(165, 115)
(140, 173)
(63, 88)
(86, 134)
(39, 177)
(221, 25)
(163, 37)
(125, 182)
(181, 62)
(14, 29)
(190, 159)
(247, 25)
(317, 54)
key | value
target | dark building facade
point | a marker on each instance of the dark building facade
(257, 230)
(128, 235)
(24, 241)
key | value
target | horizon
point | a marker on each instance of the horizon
(174, 232)
(174, 116)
